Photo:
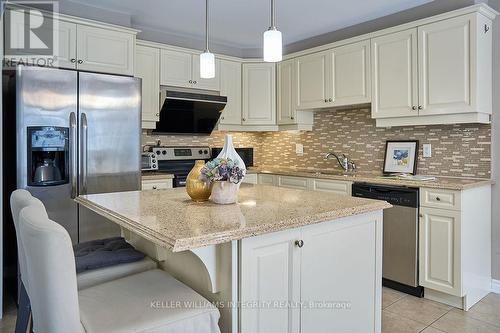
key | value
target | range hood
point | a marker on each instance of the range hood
(189, 112)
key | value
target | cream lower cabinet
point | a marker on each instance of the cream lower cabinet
(300, 281)
(303, 183)
(156, 184)
(147, 67)
(455, 245)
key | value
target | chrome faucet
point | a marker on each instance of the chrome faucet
(344, 161)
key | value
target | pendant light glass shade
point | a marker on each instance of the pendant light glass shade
(273, 50)
(207, 65)
(273, 43)
(207, 59)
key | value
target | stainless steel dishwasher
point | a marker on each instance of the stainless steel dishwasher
(400, 250)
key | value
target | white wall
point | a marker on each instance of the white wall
(495, 149)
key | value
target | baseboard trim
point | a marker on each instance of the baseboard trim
(495, 286)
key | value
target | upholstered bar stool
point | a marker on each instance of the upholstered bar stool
(21, 199)
(151, 301)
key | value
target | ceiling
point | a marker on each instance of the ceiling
(240, 23)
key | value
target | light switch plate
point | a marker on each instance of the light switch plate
(427, 150)
(299, 148)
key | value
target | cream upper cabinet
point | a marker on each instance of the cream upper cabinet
(259, 94)
(207, 84)
(446, 68)
(66, 51)
(394, 74)
(286, 105)
(350, 74)
(312, 80)
(147, 67)
(230, 86)
(437, 73)
(104, 50)
(182, 69)
(440, 250)
(176, 68)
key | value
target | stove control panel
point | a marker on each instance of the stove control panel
(181, 153)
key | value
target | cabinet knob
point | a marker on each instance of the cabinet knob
(330, 100)
(157, 114)
(292, 117)
(73, 60)
(243, 119)
(222, 118)
(154, 187)
(421, 215)
(195, 82)
(299, 243)
(486, 28)
(80, 61)
(420, 107)
(190, 81)
(414, 108)
(438, 199)
(326, 101)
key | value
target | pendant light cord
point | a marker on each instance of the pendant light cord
(273, 16)
(206, 25)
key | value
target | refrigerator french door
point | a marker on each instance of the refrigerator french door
(77, 133)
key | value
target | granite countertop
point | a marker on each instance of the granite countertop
(169, 218)
(155, 175)
(450, 183)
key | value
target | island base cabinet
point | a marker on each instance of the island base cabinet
(325, 277)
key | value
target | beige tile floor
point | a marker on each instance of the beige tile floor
(402, 313)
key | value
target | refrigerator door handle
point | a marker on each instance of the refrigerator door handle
(83, 152)
(73, 154)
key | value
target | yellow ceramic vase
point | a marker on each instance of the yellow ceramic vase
(197, 189)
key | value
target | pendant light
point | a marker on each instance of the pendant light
(273, 49)
(207, 59)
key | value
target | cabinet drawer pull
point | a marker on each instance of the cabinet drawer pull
(299, 243)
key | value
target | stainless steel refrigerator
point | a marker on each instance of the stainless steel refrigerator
(77, 133)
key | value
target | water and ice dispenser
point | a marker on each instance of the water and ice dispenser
(48, 155)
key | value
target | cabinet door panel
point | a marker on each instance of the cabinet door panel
(345, 273)
(445, 66)
(207, 84)
(270, 272)
(66, 55)
(230, 86)
(312, 79)
(338, 187)
(394, 75)
(351, 82)
(292, 182)
(176, 68)
(259, 94)
(439, 256)
(286, 106)
(147, 67)
(103, 50)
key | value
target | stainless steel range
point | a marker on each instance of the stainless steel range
(179, 160)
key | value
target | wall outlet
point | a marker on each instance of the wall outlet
(299, 149)
(427, 150)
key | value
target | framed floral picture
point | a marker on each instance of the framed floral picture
(401, 157)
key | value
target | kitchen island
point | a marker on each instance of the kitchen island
(293, 260)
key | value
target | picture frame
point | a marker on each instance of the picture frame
(401, 157)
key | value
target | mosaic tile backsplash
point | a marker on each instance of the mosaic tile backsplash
(457, 150)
